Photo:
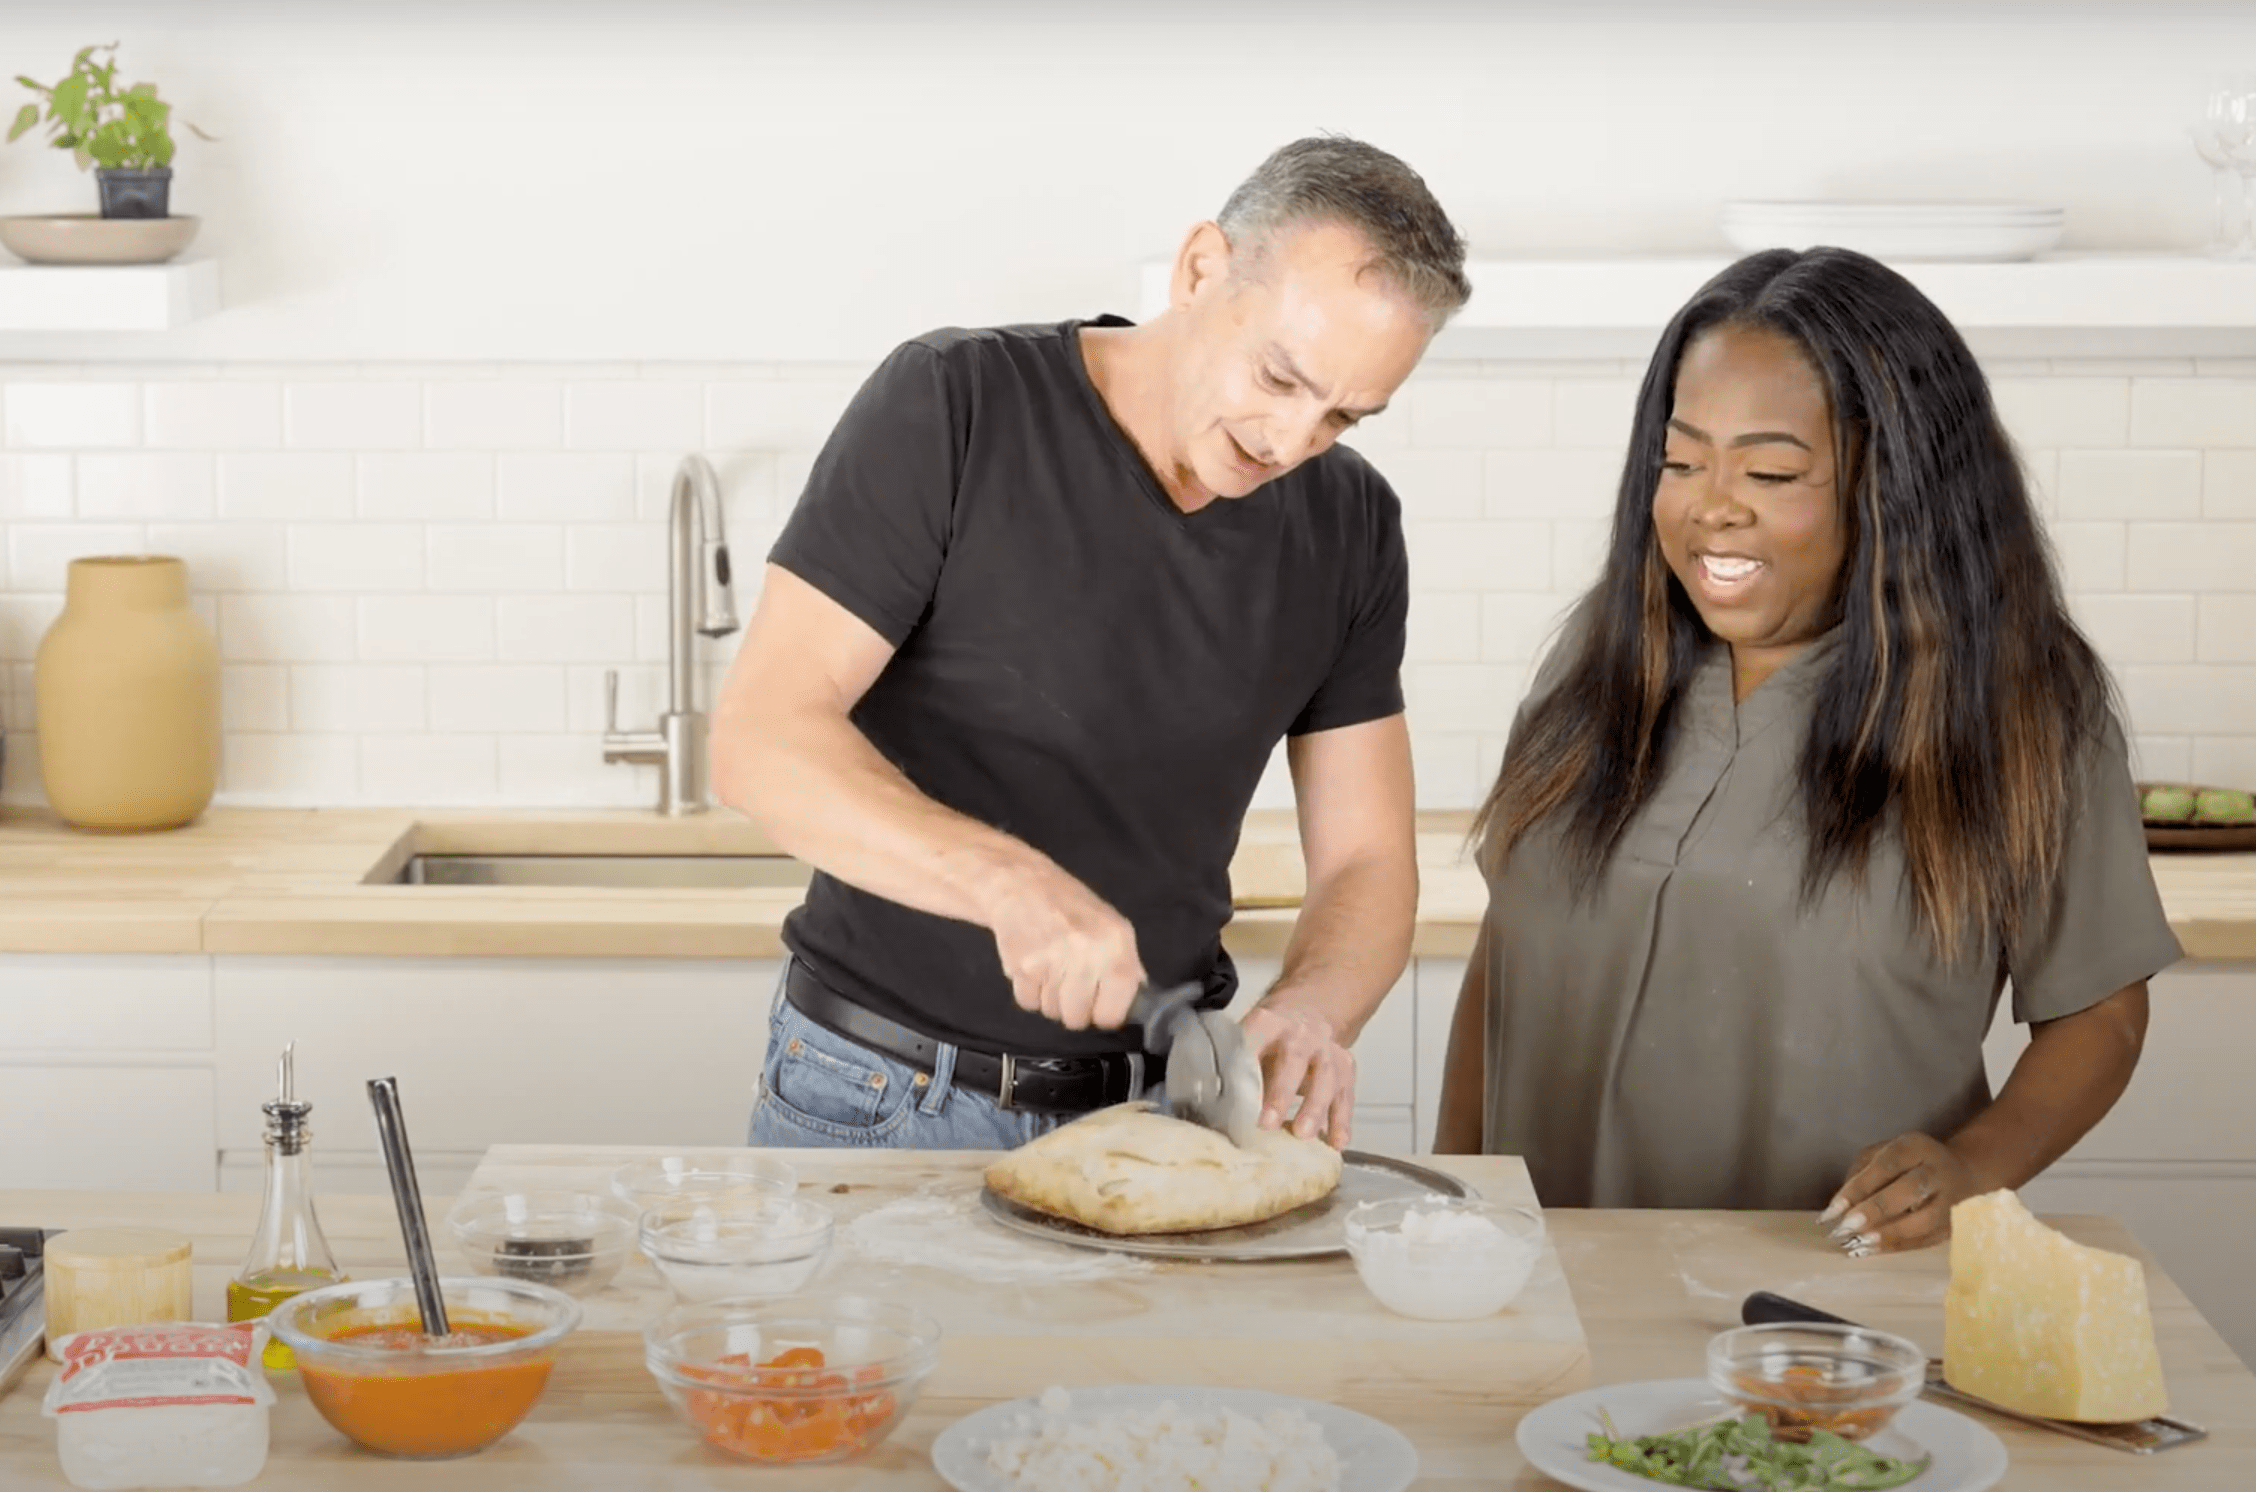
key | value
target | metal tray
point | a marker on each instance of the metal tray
(1309, 1232)
(2199, 838)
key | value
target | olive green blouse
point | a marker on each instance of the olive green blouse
(1695, 1034)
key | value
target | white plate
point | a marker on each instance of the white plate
(1896, 212)
(1896, 230)
(1978, 243)
(1967, 1456)
(1374, 1457)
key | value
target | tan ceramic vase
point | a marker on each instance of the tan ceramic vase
(127, 685)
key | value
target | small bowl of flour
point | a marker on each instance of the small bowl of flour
(1441, 1258)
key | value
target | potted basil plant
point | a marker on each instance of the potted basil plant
(124, 135)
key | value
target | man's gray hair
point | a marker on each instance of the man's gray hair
(1332, 179)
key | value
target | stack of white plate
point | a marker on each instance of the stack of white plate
(1897, 230)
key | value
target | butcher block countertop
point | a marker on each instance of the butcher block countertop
(311, 881)
(1647, 1288)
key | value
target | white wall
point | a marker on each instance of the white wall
(418, 574)
(732, 182)
(493, 267)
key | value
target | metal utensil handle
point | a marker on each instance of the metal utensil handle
(1765, 1309)
(399, 1163)
(1155, 1009)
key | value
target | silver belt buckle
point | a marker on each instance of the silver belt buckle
(1010, 1080)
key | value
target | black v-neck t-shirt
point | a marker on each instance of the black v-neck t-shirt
(1078, 662)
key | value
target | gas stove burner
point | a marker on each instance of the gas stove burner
(23, 1315)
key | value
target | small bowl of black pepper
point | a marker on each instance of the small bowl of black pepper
(571, 1241)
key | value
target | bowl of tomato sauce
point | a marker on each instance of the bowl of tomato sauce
(791, 1381)
(379, 1381)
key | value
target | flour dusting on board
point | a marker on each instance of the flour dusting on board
(951, 1233)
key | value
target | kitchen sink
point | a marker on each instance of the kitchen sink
(664, 872)
(603, 851)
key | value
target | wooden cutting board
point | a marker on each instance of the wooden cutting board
(1304, 1327)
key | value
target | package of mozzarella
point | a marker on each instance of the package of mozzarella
(170, 1404)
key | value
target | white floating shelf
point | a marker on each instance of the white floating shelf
(2143, 304)
(106, 297)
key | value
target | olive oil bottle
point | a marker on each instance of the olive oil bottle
(289, 1254)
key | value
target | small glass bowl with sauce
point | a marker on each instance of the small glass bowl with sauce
(574, 1241)
(725, 1250)
(388, 1388)
(667, 1183)
(792, 1381)
(1847, 1379)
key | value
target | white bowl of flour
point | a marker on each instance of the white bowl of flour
(1444, 1258)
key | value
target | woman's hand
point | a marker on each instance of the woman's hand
(1899, 1195)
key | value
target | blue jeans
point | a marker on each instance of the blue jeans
(818, 1089)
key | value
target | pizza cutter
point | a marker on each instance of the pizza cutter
(1212, 1079)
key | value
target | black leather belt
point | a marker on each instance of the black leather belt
(1056, 1085)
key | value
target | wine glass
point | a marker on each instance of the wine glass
(2230, 120)
(2205, 145)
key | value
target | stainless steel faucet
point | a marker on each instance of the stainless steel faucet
(697, 590)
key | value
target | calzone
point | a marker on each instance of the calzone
(1130, 1169)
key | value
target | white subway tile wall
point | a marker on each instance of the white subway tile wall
(419, 576)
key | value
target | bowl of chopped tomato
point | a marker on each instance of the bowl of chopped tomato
(1816, 1376)
(785, 1382)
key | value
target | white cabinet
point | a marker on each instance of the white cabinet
(488, 1051)
(1386, 1076)
(113, 1004)
(100, 1127)
(1437, 982)
(2190, 1099)
(147, 1072)
(2176, 1158)
(106, 1072)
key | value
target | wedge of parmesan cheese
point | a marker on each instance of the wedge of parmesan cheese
(2038, 1323)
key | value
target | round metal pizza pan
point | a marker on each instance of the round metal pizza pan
(1309, 1232)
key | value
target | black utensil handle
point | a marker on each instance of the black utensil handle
(391, 1135)
(1155, 1009)
(1765, 1309)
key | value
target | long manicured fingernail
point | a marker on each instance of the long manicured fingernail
(1853, 1223)
(1832, 1211)
(1858, 1251)
(1862, 1244)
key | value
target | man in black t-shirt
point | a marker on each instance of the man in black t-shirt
(1048, 602)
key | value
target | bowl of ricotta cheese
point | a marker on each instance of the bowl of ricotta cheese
(1441, 1258)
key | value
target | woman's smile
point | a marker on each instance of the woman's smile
(1727, 578)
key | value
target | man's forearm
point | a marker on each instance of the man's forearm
(1350, 943)
(2064, 1083)
(826, 795)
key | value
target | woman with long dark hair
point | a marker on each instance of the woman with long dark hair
(1818, 766)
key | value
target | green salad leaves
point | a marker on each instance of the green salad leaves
(1735, 1454)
